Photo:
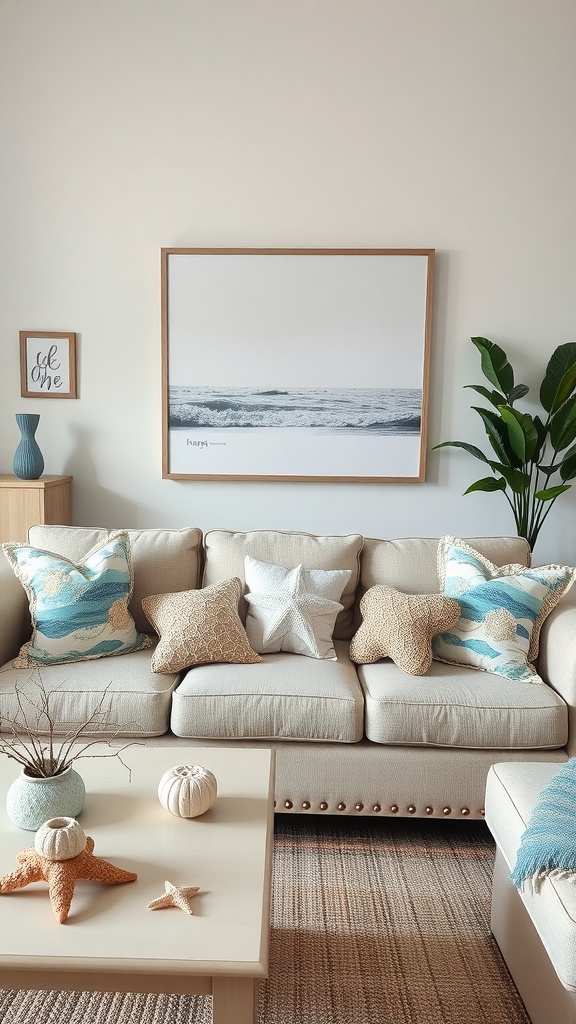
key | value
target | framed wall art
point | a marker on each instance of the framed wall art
(47, 364)
(295, 364)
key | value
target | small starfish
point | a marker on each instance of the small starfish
(176, 896)
(61, 875)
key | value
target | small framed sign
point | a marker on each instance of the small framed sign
(47, 364)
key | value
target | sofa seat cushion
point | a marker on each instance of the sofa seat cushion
(136, 701)
(459, 707)
(225, 552)
(286, 696)
(163, 561)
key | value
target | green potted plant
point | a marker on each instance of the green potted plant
(533, 456)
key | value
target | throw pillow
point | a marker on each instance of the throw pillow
(503, 608)
(292, 609)
(198, 627)
(79, 610)
(401, 627)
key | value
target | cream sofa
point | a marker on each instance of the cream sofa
(349, 739)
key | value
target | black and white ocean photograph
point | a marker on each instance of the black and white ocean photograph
(395, 411)
(294, 425)
(249, 390)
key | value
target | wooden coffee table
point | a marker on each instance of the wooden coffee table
(111, 942)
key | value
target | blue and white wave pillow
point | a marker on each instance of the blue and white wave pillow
(503, 608)
(78, 611)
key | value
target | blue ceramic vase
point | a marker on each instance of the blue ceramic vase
(28, 462)
(31, 801)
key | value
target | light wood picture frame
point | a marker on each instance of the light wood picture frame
(48, 364)
(295, 364)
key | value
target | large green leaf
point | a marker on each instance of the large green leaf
(563, 425)
(518, 392)
(568, 468)
(552, 492)
(560, 377)
(541, 430)
(495, 365)
(522, 432)
(568, 455)
(515, 432)
(470, 448)
(515, 478)
(494, 397)
(498, 435)
(487, 483)
(530, 433)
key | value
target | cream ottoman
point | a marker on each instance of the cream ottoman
(536, 933)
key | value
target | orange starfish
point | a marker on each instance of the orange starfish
(61, 875)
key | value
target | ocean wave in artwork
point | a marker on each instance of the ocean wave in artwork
(352, 410)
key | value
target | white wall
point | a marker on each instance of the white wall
(128, 125)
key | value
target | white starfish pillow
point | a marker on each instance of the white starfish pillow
(292, 609)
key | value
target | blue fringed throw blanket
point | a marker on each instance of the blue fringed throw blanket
(548, 846)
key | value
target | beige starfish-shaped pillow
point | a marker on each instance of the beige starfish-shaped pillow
(401, 627)
(198, 627)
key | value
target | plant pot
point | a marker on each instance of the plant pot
(31, 801)
(187, 790)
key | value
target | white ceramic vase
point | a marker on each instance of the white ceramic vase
(187, 790)
(60, 839)
(32, 800)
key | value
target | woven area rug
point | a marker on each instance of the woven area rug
(373, 922)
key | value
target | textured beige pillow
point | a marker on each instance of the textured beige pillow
(197, 627)
(401, 627)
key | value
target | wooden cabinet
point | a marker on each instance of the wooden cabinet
(26, 502)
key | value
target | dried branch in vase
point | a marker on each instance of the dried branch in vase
(32, 737)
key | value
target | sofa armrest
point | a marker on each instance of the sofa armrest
(557, 658)
(15, 624)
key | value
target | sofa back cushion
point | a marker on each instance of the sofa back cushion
(225, 551)
(410, 563)
(163, 561)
